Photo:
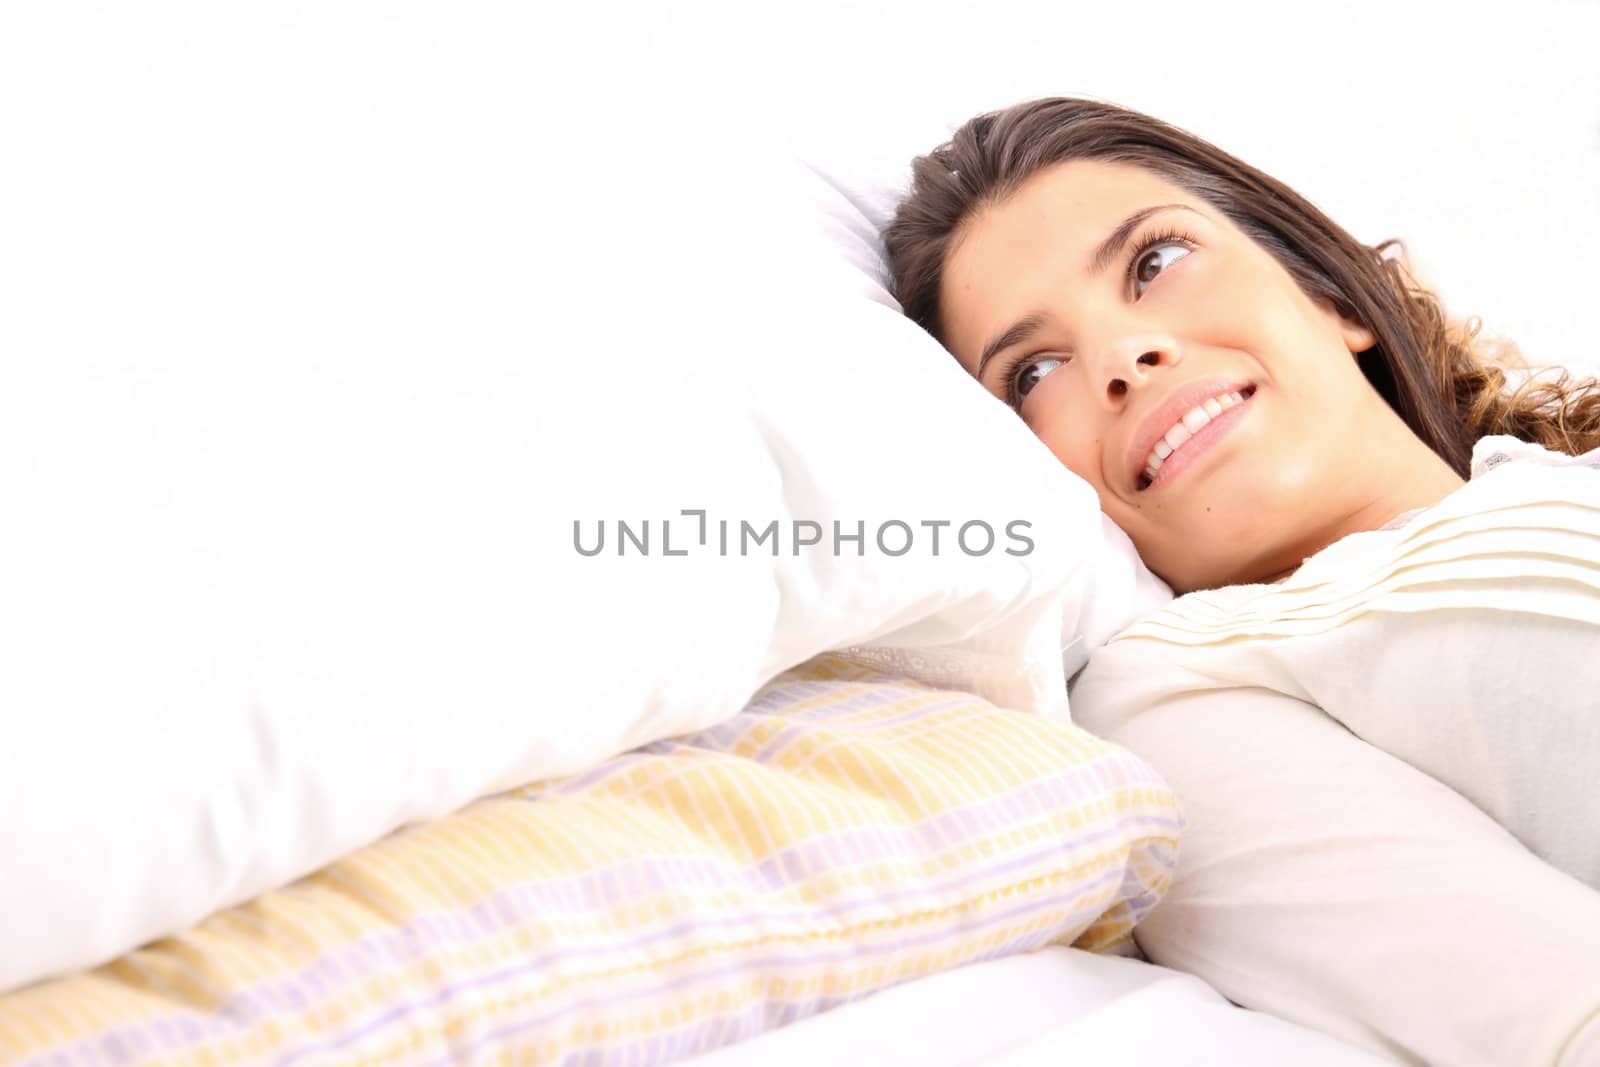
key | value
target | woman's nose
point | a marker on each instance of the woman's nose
(1128, 367)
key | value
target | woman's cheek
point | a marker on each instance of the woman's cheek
(1048, 410)
(1230, 305)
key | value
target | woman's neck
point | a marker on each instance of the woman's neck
(1398, 476)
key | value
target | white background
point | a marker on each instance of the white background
(1471, 130)
(270, 175)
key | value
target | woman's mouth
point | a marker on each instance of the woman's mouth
(1190, 434)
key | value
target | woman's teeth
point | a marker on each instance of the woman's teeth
(1187, 427)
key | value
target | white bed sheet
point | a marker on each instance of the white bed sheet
(1055, 1006)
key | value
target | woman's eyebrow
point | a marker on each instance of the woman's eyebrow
(1018, 332)
(1104, 253)
(1111, 247)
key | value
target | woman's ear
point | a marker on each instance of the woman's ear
(1357, 338)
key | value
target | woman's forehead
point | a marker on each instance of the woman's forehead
(1070, 207)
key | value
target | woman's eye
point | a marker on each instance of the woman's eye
(1153, 262)
(1032, 374)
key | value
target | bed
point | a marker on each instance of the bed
(1047, 1006)
(382, 685)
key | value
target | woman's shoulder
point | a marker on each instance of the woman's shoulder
(1430, 642)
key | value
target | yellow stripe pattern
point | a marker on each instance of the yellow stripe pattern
(846, 832)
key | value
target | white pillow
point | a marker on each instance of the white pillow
(305, 413)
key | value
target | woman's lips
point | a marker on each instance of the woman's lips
(1199, 442)
(1154, 426)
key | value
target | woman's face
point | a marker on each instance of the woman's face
(1169, 360)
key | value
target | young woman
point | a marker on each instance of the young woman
(1392, 562)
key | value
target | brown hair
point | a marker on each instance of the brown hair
(1449, 388)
